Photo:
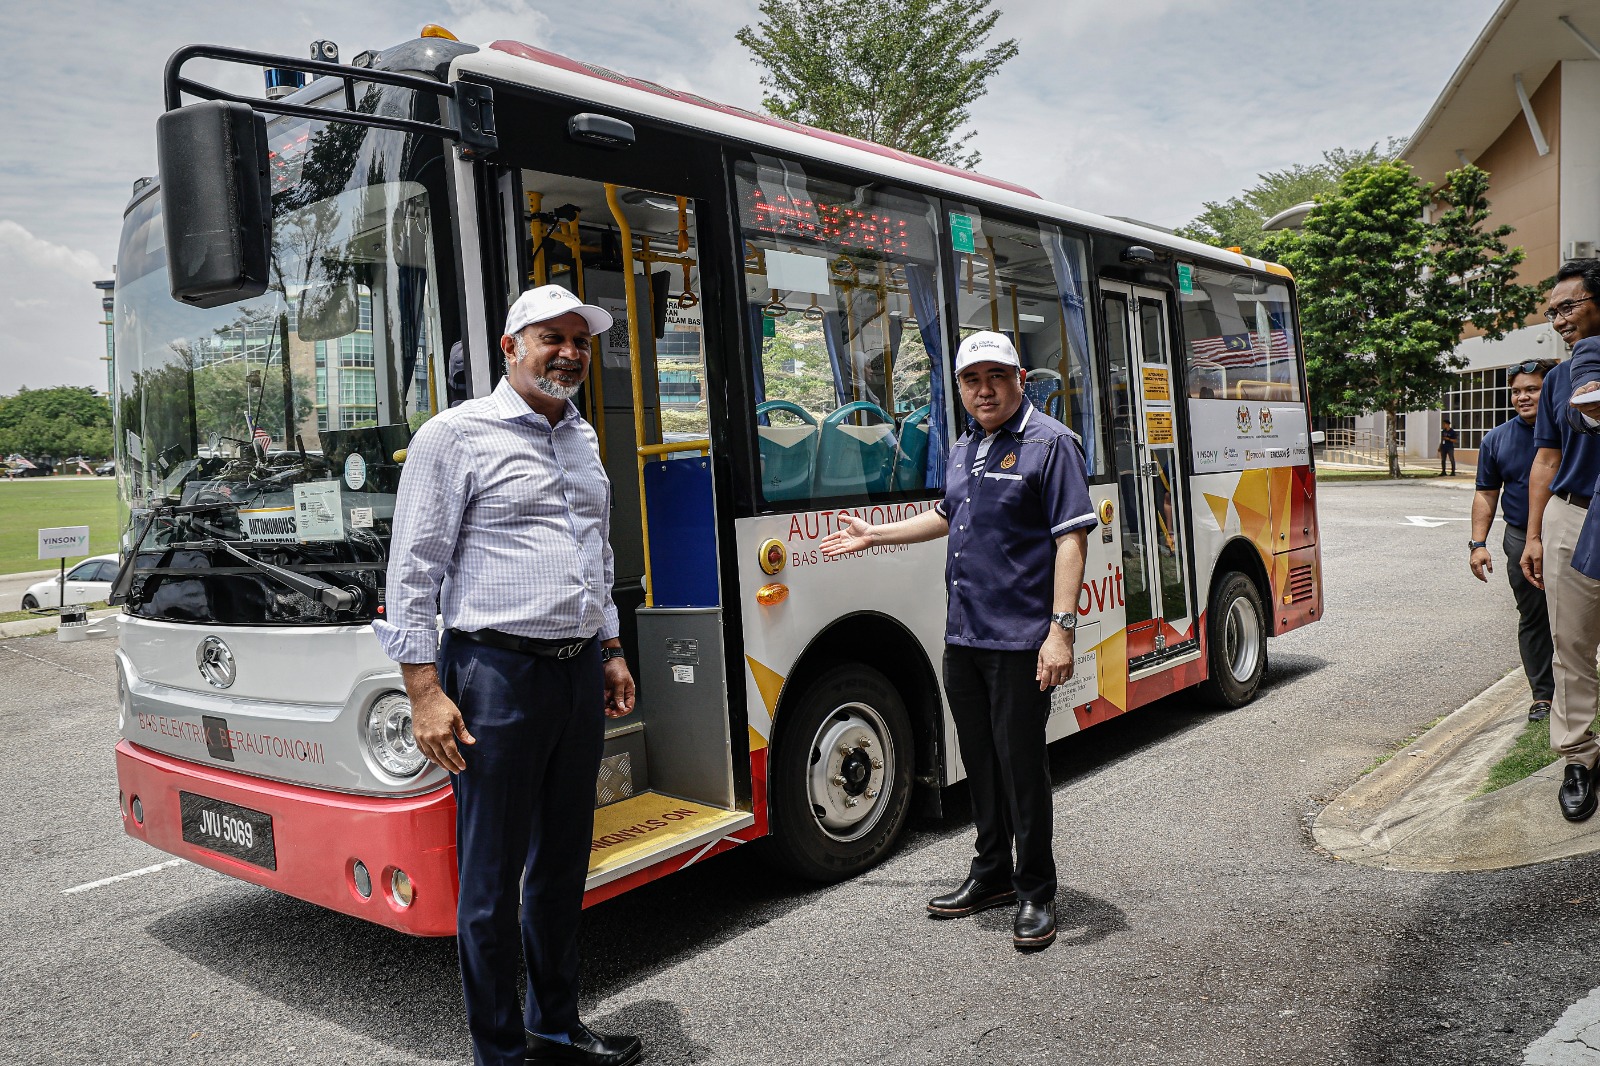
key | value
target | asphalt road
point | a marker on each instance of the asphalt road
(1199, 923)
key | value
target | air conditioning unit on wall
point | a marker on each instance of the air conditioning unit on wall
(1580, 249)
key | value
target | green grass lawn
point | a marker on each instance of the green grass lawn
(28, 505)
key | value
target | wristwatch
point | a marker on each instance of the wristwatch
(1067, 620)
(607, 654)
(1474, 545)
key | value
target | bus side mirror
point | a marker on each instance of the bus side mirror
(216, 202)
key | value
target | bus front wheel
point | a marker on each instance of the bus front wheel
(1236, 632)
(841, 774)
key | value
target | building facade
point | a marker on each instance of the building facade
(1521, 106)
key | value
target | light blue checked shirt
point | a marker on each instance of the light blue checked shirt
(505, 522)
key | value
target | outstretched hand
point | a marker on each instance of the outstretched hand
(854, 536)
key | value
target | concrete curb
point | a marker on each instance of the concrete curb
(29, 627)
(1420, 810)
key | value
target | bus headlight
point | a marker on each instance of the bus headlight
(389, 736)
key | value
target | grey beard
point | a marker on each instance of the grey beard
(559, 392)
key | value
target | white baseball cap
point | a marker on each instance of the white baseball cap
(986, 346)
(552, 301)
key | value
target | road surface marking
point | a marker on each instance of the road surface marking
(104, 881)
(1428, 522)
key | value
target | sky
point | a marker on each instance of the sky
(1140, 108)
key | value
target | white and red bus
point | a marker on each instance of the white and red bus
(787, 301)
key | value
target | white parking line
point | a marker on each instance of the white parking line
(104, 881)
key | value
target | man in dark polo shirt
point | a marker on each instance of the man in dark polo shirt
(1016, 509)
(1565, 469)
(1504, 459)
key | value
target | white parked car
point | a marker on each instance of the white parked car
(88, 582)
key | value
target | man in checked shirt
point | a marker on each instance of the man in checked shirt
(503, 520)
(1017, 510)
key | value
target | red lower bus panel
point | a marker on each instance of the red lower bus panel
(318, 836)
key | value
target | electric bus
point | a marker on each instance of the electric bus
(316, 272)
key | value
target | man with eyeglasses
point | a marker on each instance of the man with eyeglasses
(1560, 485)
(1504, 459)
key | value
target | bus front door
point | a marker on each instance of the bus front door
(1155, 556)
(629, 239)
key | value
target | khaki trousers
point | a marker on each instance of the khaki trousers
(1574, 602)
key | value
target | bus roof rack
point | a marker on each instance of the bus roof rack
(471, 106)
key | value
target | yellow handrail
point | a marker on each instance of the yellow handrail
(703, 446)
(625, 232)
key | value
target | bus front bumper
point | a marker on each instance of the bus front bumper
(318, 838)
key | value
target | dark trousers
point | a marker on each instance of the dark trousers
(1000, 717)
(524, 811)
(1533, 627)
(1447, 454)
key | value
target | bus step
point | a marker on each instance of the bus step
(641, 831)
(624, 769)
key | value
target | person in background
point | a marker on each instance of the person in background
(1447, 447)
(1504, 460)
(1566, 466)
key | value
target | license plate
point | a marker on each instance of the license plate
(228, 828)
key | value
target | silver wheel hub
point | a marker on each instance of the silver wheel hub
(1241, 639)
(851, 758)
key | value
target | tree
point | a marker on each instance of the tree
(898, 72)
(57, 422)
(1236, 222)
(1385, 293)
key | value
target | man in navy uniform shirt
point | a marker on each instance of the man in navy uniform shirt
(1017, 510)
(1560, 486)
(1504, 459)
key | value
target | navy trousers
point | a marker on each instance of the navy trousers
(1000, 716)
(524, 811)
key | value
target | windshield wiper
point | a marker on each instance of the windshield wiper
(314, 588)
(123, 582)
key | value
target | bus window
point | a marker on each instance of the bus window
(844, 304)
(1241, 338)
(1028, 283)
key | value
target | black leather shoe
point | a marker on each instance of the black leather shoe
(1577, 796)
(1034, 927)
(1539, 711)
(588, 1048)
(970, 898)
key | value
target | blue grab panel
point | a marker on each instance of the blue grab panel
(683, 536)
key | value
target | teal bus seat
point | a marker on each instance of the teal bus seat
(788, 453)
(911, 462)
(854, 459)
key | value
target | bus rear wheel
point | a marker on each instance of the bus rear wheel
(1236, 635)
(841, 774)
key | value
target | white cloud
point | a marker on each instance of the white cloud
(50, 335)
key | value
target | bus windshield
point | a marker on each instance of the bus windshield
(278, 424)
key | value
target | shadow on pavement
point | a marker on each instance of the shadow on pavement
(1472, 980)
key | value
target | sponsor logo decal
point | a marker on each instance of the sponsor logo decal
(1206, 457)
(1231, 454)
(1244, 419)
(1251, 456)
(1266, 420)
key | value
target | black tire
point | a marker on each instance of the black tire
(29, 603)
(812, 779)
(1236, 642)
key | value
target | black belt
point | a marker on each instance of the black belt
(1575, 499)
(550, 649)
